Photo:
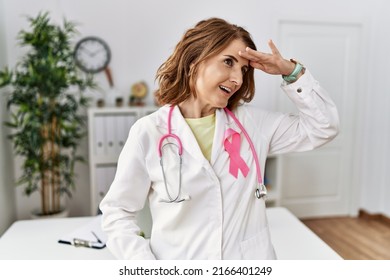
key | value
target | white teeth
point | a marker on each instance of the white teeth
(225, 88)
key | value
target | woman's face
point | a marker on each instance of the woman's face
(220, 76)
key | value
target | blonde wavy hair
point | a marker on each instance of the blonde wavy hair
(177, 75)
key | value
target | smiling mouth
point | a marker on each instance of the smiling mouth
(227, 90)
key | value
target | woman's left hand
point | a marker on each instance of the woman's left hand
(271, 63)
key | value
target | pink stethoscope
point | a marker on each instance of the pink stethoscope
(260, 191)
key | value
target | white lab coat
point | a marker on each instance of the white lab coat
(223, 219)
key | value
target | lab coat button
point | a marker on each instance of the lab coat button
(299, 90)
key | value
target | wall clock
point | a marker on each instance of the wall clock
(92, 54)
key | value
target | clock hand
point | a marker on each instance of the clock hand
(86, 50)
(96, 52)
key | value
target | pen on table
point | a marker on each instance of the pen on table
(97, 238)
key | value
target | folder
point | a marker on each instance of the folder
(99, 136)
(89, 235)
(110, 135)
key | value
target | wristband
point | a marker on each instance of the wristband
(294, 74)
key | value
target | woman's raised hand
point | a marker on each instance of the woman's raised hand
(271, 63)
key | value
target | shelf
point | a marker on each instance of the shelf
(140, 111)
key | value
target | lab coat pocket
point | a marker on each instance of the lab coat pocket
(258, 247)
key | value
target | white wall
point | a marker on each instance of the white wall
(142, 34)
(7, 197)
(375, 161)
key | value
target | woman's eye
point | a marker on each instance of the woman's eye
(228, 62)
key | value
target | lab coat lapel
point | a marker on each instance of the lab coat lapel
(223, 123)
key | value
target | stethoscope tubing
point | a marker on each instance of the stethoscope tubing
(170, 134)
(170, 199)
(160, 143)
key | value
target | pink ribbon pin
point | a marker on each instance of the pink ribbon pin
(233, 149)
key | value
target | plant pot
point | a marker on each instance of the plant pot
(36, 214)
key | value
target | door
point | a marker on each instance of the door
(321, 182)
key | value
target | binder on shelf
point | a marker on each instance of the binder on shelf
(101, 186)
(104, 176)
(99, 141)
(121, 133)
(89, 235)
(110, 135)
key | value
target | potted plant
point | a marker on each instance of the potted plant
(45, 115)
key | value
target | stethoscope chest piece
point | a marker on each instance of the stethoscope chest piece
(261, 191)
